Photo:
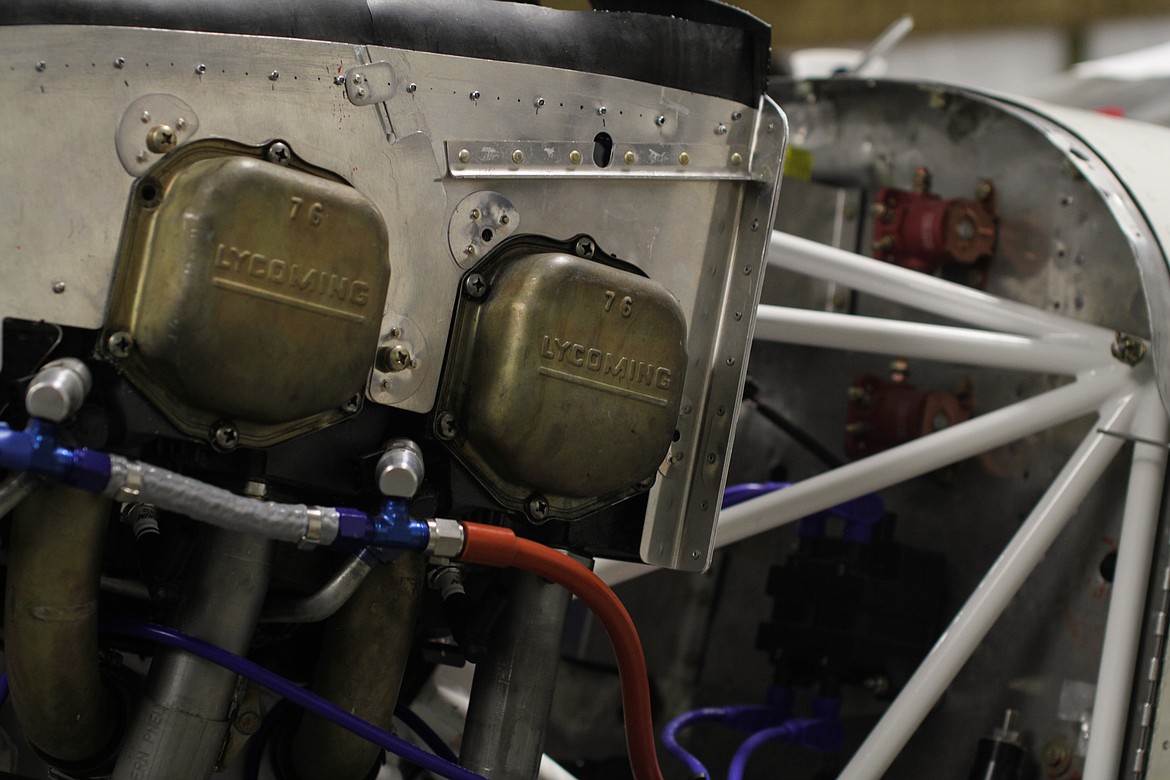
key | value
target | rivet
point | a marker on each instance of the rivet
(339, 79)
(58, 287)
(771, 127)
(464, 156)
(575, 157)
(755, 225)
(630, 157)
(475, 214)
(660, 120)
(538, 102)
(504, 219)
(201, 69)
(41, 66)
(474, 94)
(145, 117)
(274, 75)
(601, 110)
(141, 156)
(720, 129)
(517, 156)
(412, 87)
(736, 116)
(180, 123)
(119, 62)
(684, 158)
(736, 159)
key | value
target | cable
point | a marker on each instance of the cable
(748, 718)
(424, 732)
(289, 690)
(670, 738)
(499, 547)
(3, 688)
(739, 761)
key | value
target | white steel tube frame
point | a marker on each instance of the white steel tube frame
(1010, 335)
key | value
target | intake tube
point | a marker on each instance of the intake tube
(50, 620)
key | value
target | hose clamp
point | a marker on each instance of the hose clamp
(314, 525)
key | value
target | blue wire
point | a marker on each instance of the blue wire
(3, 688)
(289, 690)
(740, 760)
(424, 732)
(670, 737)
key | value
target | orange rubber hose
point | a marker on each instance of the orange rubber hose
(492, 546)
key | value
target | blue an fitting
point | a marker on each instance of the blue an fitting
(392, 527)
(35, 449)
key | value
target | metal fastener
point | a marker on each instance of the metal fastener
(586, 248)
(474, 94)
(660, 120)
(339, 79)
(145, 118)
(446, 426)
(538, 508)
(883, 244)
(161, 139)
(274, 75)
(41, 66)
(684, 158)
(278, 153)
(575, 157)
(120, 343)
(695, 553)
(736, 159)
(412, 87)
(720, 129)
(856, 428)
(469, 250)
(771, 127)
(475, 286)
(225, 437)
(180, 123)
(731, 361)
(360, 93)
(119, 62)
(475, 214)
(755, 225)
(630, 158)
(248, 722)
(393, 358)
(712, 457)
(1128, 349)
(141, 156)
(517, 156)
(464, 156)
(352, 405)
(539, 102)
(201, 69)
(601, 110)
(58, 287)
(736, 116)
(504, 219)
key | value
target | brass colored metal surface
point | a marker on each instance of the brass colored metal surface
(567, 379)
(251, 292)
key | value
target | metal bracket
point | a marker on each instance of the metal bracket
(366, 85)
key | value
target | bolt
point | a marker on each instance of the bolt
(630, 158)
(469, 250)
(41, 66)
(278, 153)
(475, 286)
(119, 62)
(899, 370)
(876, 684)
(475, 214)
(684, 158)
(339, 79)
(447, 427)
(225, 437)
(474, 94)
(200, 69)
(880, 211)
(586, 248)
(538, 508)
(738, 316)
(517, 156)
(120, 343)
(248, 722)
(361, 93)
(393, 358)
(660, 120)
(575, 157)
(505, 219)
(539, 102)
(358, 78)
(161, 139)
(274, 75)
(736, 159)
(1128, 349)
(352, 405)
(720, 129)
(464, 156)
(601, 110)
(58, 287)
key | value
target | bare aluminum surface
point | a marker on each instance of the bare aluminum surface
(678, 231)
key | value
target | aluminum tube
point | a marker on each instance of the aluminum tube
(924, 292)
(50, 624)
(17, 488)
(326, 601)
(991, 597)
(218, 507)
(1139, 530)
(511, 696)
(1056, 355)
(363, 657)
(178, 731)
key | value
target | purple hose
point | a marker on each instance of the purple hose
(3, 688)
(745, 717)
(786, 731)
(290, 691)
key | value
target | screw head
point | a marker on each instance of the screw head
(474, 94)
(538, 507)
(446, 426)
(353, 404)
(464, 156)
(1128, 349)
(225, 437)
(393, 358)
(517, 156)
(119, 62)
(120, 343)
(586, 247)
(278, 153)
(161, 139)
(575, 157)
(660, 120)
(274, 75)
(200, 69)
(630, 158)
(684, 158)
(475, 286)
